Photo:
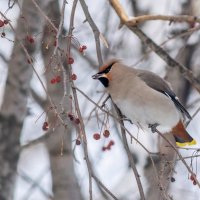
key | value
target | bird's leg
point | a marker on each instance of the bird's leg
(153, 127)
(127, 119)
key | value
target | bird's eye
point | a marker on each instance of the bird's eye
(107, 69)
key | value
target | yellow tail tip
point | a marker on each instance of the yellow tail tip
(193, 142)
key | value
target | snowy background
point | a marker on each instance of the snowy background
(110, 166)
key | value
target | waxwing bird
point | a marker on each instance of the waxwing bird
(145, 98)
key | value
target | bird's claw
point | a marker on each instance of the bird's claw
(127, 119)
(153, 127)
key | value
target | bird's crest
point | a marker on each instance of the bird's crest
(106, 68)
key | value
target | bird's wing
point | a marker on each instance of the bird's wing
(162, 86)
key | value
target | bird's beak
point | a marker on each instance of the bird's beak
(97, 76)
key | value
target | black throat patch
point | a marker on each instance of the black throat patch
(104, 81)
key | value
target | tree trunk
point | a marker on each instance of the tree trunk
(14, 110)
(65, 185)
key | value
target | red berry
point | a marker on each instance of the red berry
(6, 21)
(45, 126)
(1, 23)
(106, 133)
(58, 79)
(74, 77)
(53, 80)
(192, 177)
(104, 148)
(84, 47)
(194, 182)
(80, 49)
(77, 121)
(78, 142)
(30, 39)
(71, 116)
(70, 60)
(96, 136)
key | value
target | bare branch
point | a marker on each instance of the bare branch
(60, 28)
(182, 34)
(152, 45)
(181, 18)
(44, 15)
(34, 184)
(94, 29)
(42, 102)
(130, 157)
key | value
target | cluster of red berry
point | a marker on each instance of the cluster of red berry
(108, 147)
(45, 126)
(97, 136)
(3, 22)
(192, 178)
(106, 134)
(73, 118)
(76, 121)
(56, 79)
(82, 48)
(70, 60)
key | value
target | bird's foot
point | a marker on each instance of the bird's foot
(127, 119)
(153, 127)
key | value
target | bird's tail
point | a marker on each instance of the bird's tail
(181, 136)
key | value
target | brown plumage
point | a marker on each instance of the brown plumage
(144, 98)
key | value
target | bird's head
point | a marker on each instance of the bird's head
(105, 73)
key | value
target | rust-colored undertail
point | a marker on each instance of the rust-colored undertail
(181, 136)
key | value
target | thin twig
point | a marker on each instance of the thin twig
(37, 140)
(34, 183)
(104, 187)
(196, 112)
(185, 33)
(180, 18)
(94, 29)
(189, 157)
(60, 28)
(69, 70)
(44, 15)
(130, 157)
